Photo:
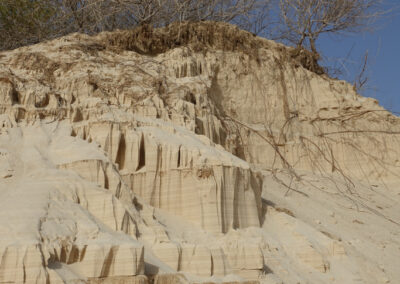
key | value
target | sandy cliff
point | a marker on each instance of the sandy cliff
(191, 154)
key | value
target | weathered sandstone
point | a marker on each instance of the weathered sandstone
(205, 161)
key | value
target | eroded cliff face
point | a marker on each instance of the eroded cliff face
(127, 159)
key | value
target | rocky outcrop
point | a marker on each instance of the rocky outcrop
(129, 163)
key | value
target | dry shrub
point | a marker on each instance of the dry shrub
(91, 49)
(199, 37)
(306, 59)
(299, 56)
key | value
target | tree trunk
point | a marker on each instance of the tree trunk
(313, 47)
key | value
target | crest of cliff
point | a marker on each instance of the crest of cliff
(193, 153)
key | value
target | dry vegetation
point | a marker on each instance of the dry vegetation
(199, 37)
(295, 22)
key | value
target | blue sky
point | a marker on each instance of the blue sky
(383, 45)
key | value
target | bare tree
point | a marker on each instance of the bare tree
(303, 21)
(24, 22)
(201, 10)
(62, 17)
(96, 15)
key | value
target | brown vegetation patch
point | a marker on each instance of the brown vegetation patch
(198, 36)
(300, 56)
(306, 59)
(90, 48)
